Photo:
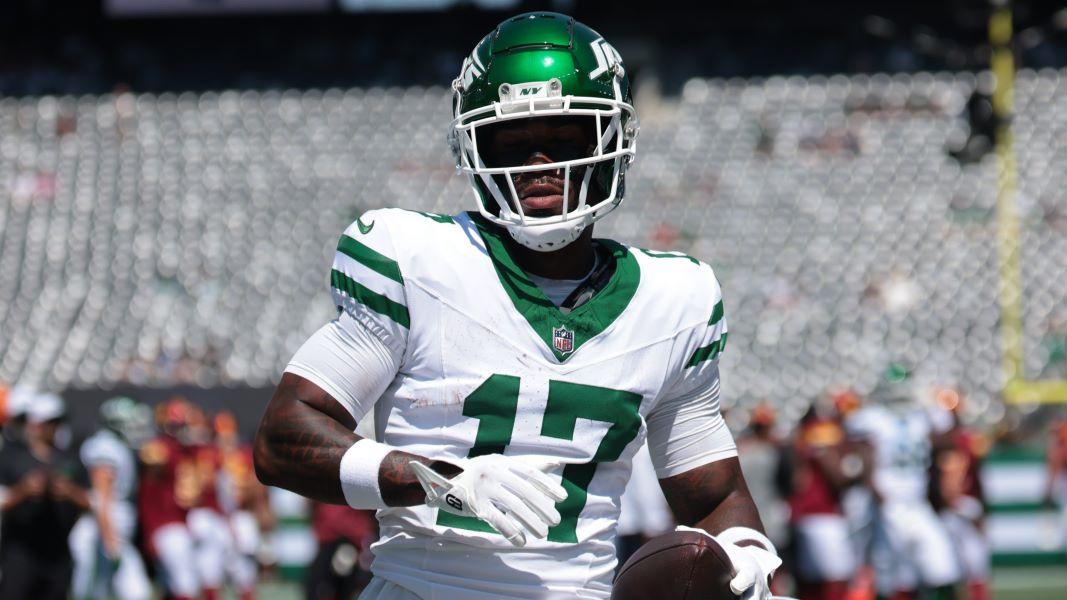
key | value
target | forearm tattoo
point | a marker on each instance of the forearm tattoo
(305, 433)
(713, 497)
(299, 445)
(398, 483)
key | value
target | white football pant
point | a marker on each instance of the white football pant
(824, 550)
(241, 564)
(214, 545)
(861, 514)
(95, 576)
(912, 549)
(177, 556)
(972, 547)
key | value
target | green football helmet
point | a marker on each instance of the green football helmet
(128, 418)
(545, 64)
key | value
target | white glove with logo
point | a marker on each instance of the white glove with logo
(508, 493)
(753, 565)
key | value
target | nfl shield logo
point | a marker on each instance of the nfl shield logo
(562, 340)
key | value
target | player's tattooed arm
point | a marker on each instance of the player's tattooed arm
(398, 483)
(304, 434)
(712, 497)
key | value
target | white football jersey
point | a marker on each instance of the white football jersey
(106, 448)
(487, 364)
(901, 442)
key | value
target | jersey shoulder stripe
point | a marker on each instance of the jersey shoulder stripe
(366, 278)
(716, 313)
(708, 352)
(379, 303)
(695, 291)
(712, 350)
(370, 257)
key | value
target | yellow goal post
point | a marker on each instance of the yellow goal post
(1018, 389)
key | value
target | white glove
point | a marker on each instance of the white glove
(506, 492)
(753, 566)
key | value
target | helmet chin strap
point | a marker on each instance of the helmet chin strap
(549, 238)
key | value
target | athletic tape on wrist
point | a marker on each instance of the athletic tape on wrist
(359, 474)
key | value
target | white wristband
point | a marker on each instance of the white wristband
(359, 474)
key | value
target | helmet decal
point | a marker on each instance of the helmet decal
(607, 58)
(472, 66)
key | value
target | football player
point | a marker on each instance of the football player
(515, 364)
(824, 468)
(956, 491)
(244, 503)
(212, 536)
(765, 465)
(761, 454)
(911, 548)
(170, 486)
(106, 562)
(43, 492)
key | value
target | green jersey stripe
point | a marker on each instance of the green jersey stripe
(708, 352)
(370, 258)
(716, 314)
(371, 299)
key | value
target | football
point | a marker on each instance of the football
(675, 566)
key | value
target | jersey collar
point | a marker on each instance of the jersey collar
(563, 333)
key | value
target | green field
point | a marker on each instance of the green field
(1030, 583)
(1009, 583)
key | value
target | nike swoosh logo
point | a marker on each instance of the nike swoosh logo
(364, 229)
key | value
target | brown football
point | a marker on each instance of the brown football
(675, 566)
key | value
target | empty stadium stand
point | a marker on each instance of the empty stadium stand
(186, 238)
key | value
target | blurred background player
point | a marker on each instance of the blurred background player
(343, 557)
(911, 548)
(42, 494)
(17, 400)
(12, 438)
(956, 490)
(107, 563)
(823, 468)
(766, 468)
(211, 531)
(170, 486)
(244, 504)
(858, 501)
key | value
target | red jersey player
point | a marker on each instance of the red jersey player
(209, 528)
(956, 493)
(170, 486)
(244, 504)
(825, 560)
